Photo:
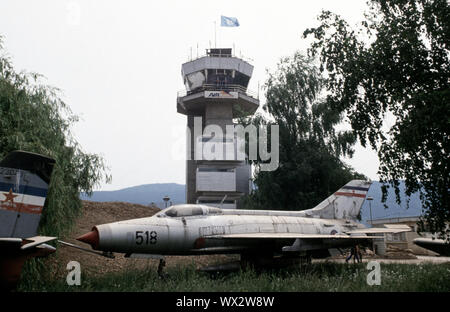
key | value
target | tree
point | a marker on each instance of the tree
(35, 119)
(310, 168)
(395, 64)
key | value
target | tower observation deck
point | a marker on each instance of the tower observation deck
(216, 93)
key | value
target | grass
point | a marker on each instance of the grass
(315, 277)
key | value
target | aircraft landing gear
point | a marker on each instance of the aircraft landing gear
(256, 261)
(161, 265)
(162, 261)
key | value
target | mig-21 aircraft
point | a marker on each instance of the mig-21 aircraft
(192, 229)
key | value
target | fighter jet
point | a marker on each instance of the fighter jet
(24, 180)
(254, 234)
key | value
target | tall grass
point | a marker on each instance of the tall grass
(314, 277)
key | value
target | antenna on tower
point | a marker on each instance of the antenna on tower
(215, 35)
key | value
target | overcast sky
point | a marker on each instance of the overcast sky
(118, 64)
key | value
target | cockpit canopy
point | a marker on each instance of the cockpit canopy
(188, 211)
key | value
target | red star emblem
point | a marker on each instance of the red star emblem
(9, 197)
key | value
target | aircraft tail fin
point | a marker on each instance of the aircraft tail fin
(24, 182)
(345, 203)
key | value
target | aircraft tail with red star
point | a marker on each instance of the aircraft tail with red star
(24, 183)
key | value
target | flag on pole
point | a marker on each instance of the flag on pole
(226, 21)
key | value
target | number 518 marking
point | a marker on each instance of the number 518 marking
(146, 237)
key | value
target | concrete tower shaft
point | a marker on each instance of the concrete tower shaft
(216, 93)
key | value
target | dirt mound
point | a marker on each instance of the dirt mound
(393, 252)
(94, 213)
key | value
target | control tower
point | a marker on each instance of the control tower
(216, 93)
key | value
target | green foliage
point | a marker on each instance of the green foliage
(395, 64)
(314, 277)
(33, 118)
(310, 147)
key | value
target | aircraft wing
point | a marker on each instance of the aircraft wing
(287, 236)
(353, 234)
(24, 243)
(300, 242)
(387, 230)
(36, 241)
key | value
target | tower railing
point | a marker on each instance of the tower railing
(220, 87)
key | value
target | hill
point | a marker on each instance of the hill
(148, 193)
(142, 194)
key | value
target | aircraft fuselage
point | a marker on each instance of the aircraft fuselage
(186, 235)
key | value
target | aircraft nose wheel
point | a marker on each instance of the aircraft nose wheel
(161, 265)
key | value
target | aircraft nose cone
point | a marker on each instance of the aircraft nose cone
(90, 238)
